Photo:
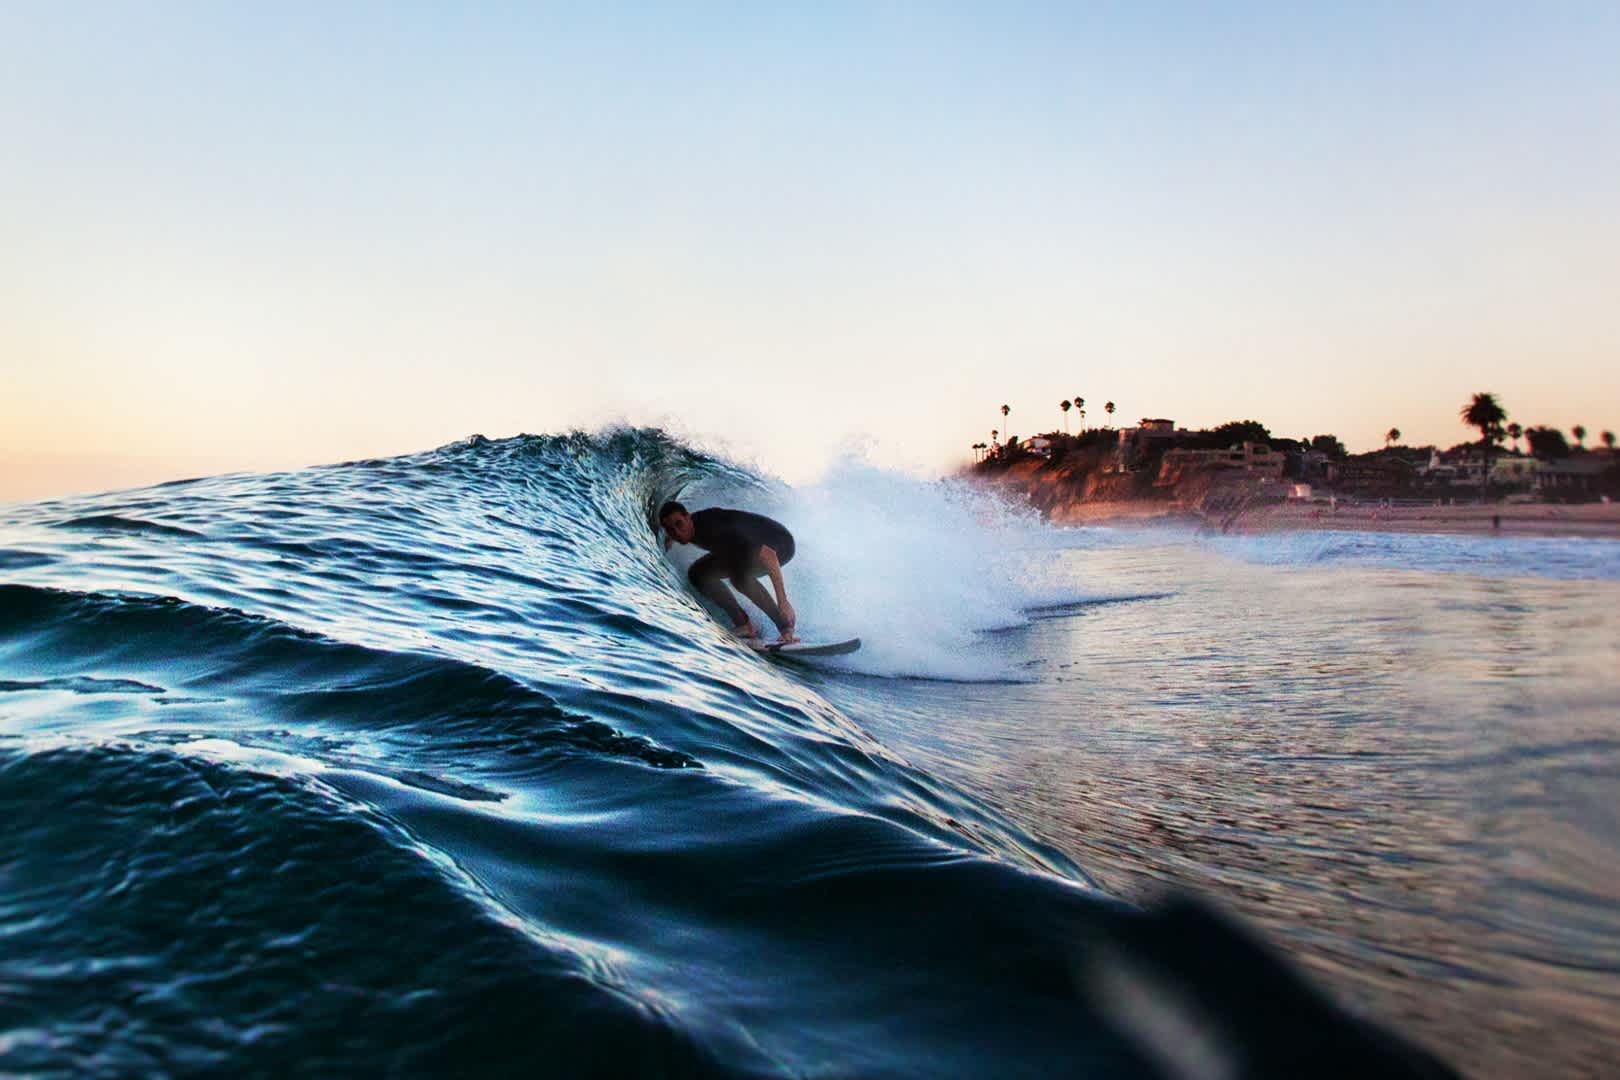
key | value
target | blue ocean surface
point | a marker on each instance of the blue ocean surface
(435, 764)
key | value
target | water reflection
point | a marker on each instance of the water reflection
(1407, 779)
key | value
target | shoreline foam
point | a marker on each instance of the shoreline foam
(1232, 511)
(1593, 520)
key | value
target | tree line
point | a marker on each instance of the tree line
(1483, 411)
(1486, 413)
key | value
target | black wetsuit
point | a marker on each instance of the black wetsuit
(732, 539)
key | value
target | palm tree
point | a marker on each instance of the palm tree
(1393, 435)
(1109, 409)
(1515, 432)
(1065, 405)
(1486, 413)
(1608, 439)
(1579, 431)
(993, 434)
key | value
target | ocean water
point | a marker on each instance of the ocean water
(435, 764)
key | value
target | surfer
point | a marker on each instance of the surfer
(742, 547)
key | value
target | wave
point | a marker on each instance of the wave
(435, 764)
(1562, 558)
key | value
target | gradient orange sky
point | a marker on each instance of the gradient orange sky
(247, 237)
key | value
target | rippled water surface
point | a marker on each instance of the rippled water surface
(1410, 776)
(434, 763)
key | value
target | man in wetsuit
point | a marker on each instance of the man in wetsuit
(742, 547)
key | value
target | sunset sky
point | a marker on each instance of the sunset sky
(239, 236)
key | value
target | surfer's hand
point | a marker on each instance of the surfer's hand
(789, 616)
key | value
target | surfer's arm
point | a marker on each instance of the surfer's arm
(773, 567)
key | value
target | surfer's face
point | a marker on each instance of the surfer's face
(679, 527)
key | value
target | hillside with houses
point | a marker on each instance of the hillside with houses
(1240, 466)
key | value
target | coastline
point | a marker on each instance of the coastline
(1589, 520)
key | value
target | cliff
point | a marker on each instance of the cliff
(1076, 490)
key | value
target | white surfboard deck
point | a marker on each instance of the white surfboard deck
(806, 648)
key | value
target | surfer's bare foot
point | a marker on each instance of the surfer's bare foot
(745, 630)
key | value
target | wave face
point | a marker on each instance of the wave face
(434, 763)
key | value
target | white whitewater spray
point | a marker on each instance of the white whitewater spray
(916, 569)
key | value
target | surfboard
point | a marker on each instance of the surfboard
(807, 648)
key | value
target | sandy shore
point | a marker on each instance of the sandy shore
(1599, 520)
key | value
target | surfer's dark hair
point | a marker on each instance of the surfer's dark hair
(671, 507)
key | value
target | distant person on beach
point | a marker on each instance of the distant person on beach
(742, 548)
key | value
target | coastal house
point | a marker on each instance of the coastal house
(1309, 465)
(1251, 457)
(1370, 474)
(1571, 479)
(1515, 471)
(1137, 443)
(1455, 468)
